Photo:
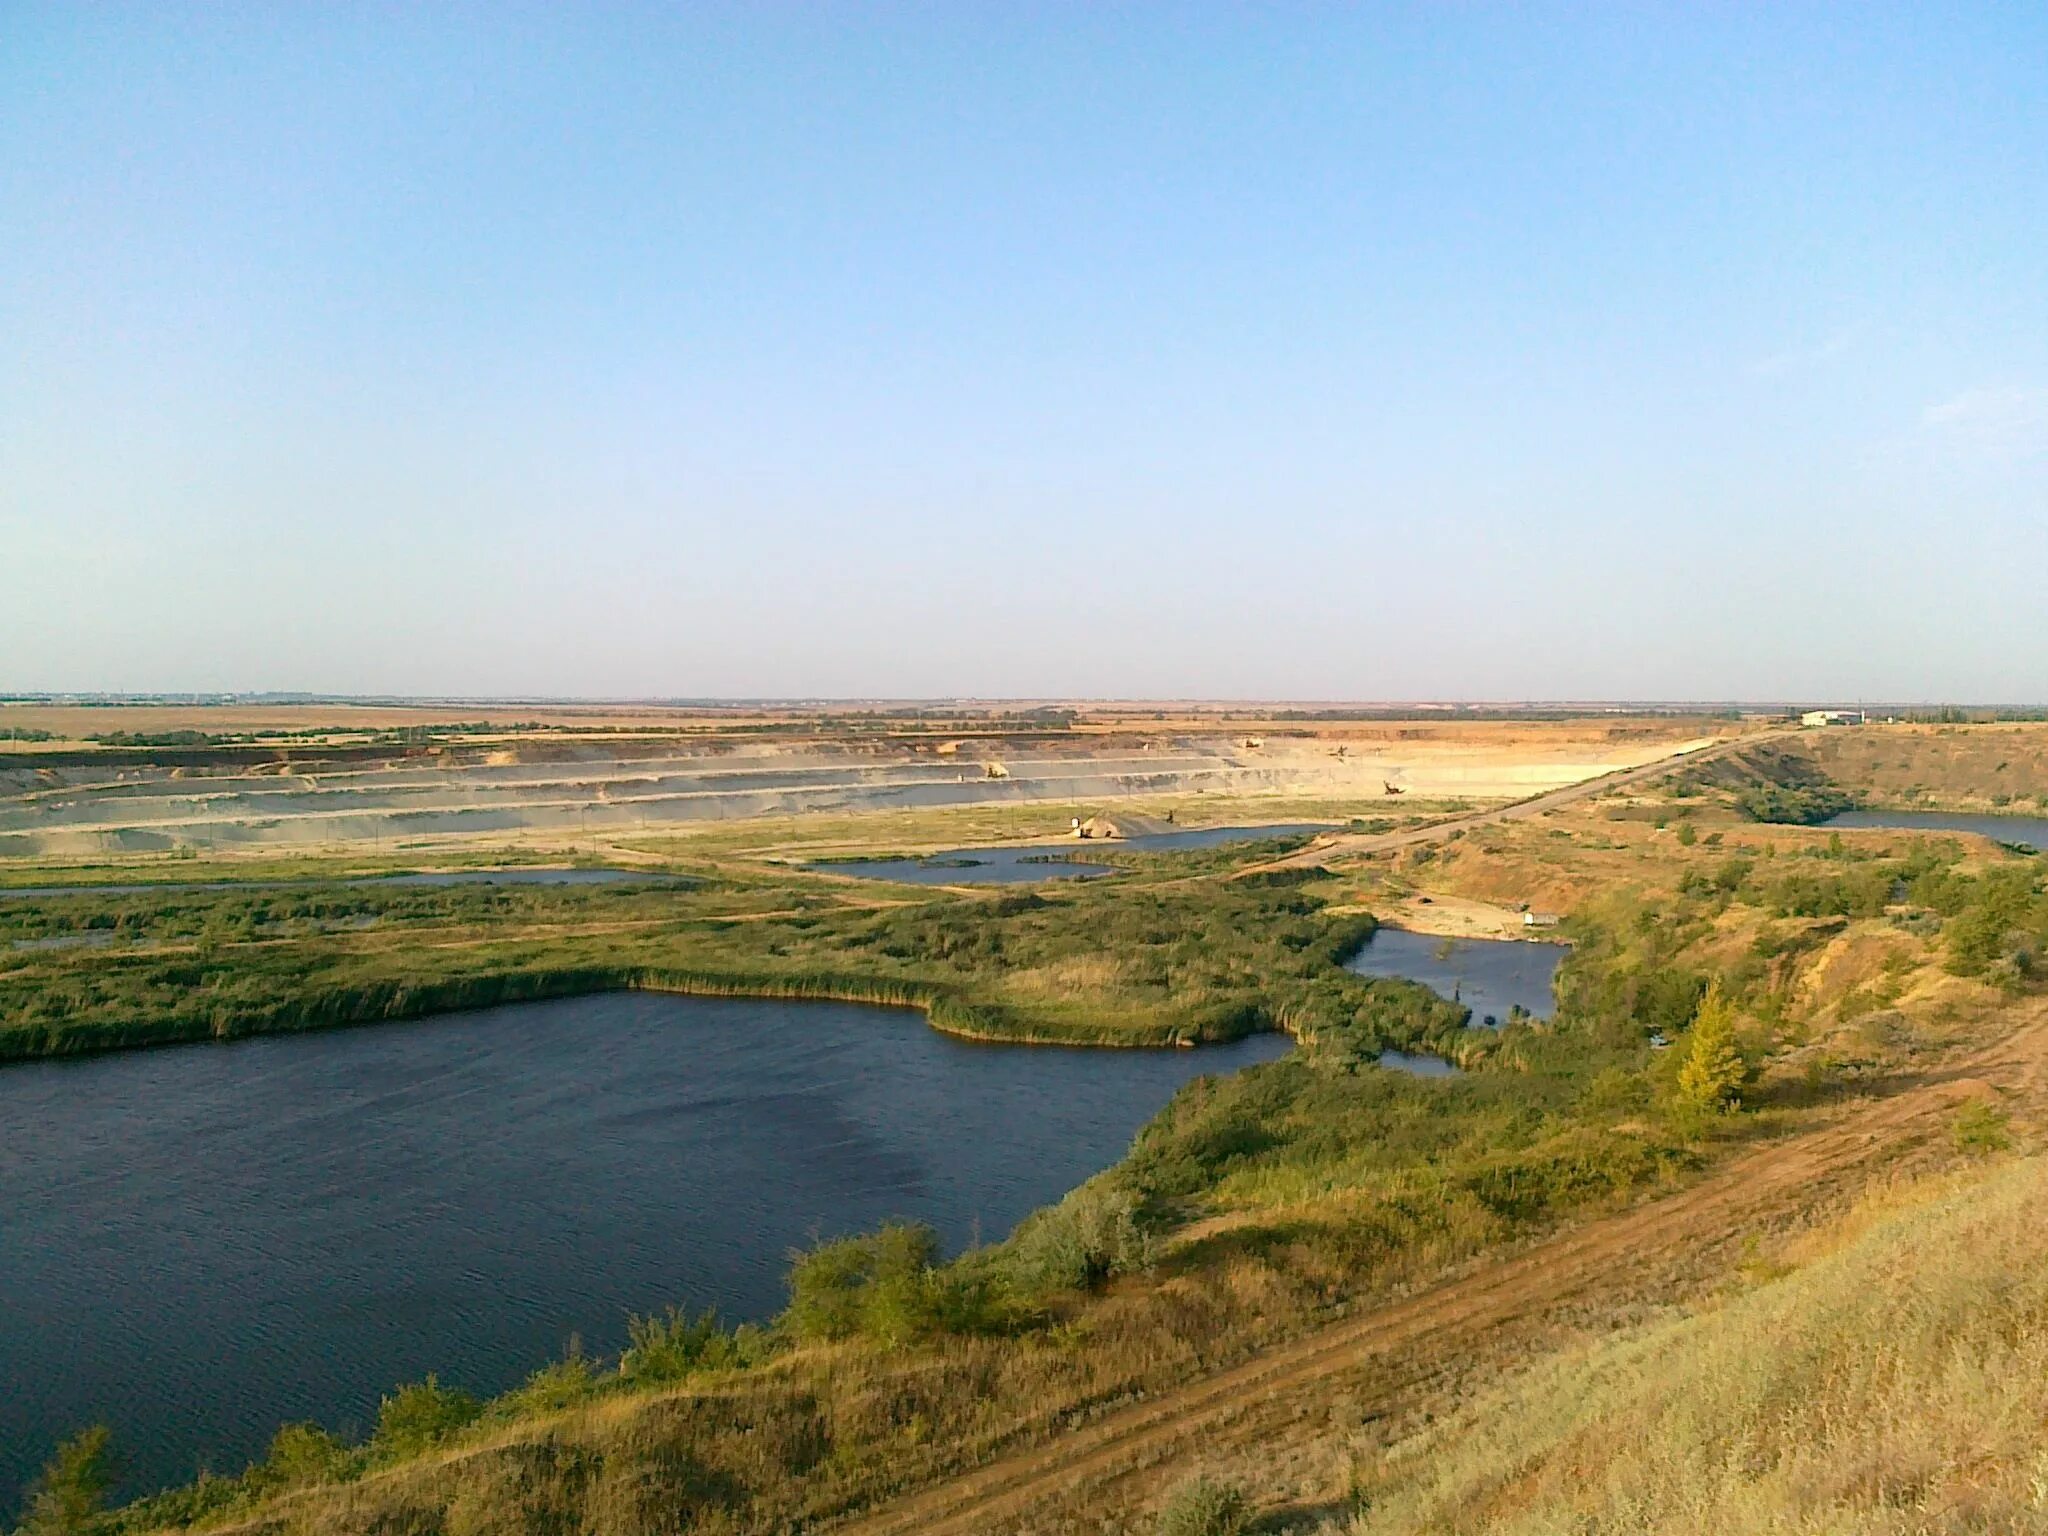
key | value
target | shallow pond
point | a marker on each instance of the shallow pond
(972, 866)
(2032, 831)
(200, 1242)
(432, 877)
(1417, 1066)
(1024, 863)
(1489, 976)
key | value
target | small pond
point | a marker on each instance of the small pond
(1417, 1066)
(972, 866)
(2031, 831)
(200, 1242)
(431, 877)
(1489, 976)
(1024, 863)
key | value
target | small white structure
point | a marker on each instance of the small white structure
(1540, 919)
(1832, 717)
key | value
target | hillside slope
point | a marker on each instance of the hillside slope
(1896, 1382)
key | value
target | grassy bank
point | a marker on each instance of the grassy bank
(1852, 1387)
(1154, 957)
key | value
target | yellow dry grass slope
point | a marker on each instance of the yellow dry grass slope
(1970, 768)
(1898, 1384)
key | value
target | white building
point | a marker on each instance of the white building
(1832, 717)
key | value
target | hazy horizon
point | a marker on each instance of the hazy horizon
(906, 353)
(298, 698)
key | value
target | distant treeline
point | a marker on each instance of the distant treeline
(1413, 714)
(403, 733)
(1952, 714)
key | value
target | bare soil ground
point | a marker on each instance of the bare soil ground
(565, 790)
(1343, 845)
(1452, 917)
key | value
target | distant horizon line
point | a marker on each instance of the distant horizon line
(117, 698)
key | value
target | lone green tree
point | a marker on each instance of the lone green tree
(72, 1489)
(1710, 1078)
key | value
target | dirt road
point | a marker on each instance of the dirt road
(1342, 844)
(1380, 1362)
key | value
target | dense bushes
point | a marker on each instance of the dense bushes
(885, 1286)
(301, 1454)
(1093, 1235)
(1191, 960)
(1204, 1507)
(1793, 806)
(420, 1416)
(1626, 978)
(65, 1499)
(677, 1346)
(1773, 782)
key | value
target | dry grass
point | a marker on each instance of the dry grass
(1064, 978)
(1975, 768)
(1896, 1381)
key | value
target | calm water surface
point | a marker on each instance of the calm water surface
(973, 866)
(1489, 976)
(2030, 830)
(441, 877)
(198, 1243)
(1017, 865)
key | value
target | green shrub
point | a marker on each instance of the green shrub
(551, 1388)
(1615, 1090)
(825, 1286)
(301, 1454)
(1091, 1236)
(420, 1416)
(68, 1494)
(677, 1345)
(1982, 1128)
(884, 1286)
(1710, 1079)
(1204, 1507)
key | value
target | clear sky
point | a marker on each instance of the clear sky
(1296, 351)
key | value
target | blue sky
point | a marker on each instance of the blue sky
(1447, 351)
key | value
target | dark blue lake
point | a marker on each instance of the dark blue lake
(200, 1242)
